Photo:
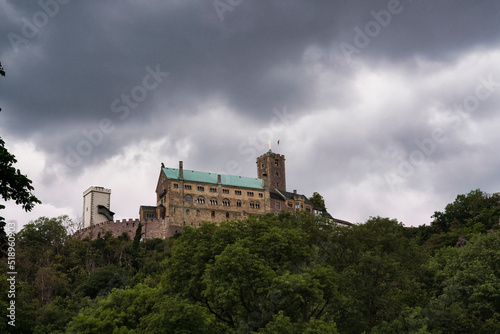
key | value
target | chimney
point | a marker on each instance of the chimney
(295, 192)
(219, 179)
(181, 170)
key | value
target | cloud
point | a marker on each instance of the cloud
(349, 124)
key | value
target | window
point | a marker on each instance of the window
(227, 214)
(197, 212)
(237, 192)
(187, 212)
(297, 206)
(250, 193)
(225, 202)
(276, 162)
(290, 205)
(200, 188)
(225, 191)
(200, 200)
(252, 205)
(261, 195)
(238, 203)
(262, 165)
(187, 186)
(188, 198)
(213, 214)
(176, 185)
(277, 173)
(277, 205)
(308, 209)
(213, 190)
(213, 201)
(257, 205)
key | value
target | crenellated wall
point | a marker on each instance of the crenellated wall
(151, 228)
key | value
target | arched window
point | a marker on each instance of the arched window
(252, 205)
(213, 214)
(200, 200)
(238, 203)
(257, 205)
(227, 214)
(188, 198)
(225, 202)
(213, 201)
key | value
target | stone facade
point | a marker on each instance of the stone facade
(151, 228)
(188, 198)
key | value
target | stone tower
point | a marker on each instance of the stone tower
(273, 165)
(96, 206)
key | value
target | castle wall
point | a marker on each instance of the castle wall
(151, 228)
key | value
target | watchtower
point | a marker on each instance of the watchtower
(96, 205)
(273, 165)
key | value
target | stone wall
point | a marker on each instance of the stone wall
(151, 228)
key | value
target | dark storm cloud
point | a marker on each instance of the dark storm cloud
(66, 78)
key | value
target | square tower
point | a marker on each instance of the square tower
(273, 165)
(96, 206)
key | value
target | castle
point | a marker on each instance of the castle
(188, 198)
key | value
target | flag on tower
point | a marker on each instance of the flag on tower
(278, 142)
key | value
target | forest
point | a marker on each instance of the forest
(286, 273)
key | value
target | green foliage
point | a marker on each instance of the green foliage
(476, 212)
(102, 280)
(290, 273)
(121, 312)
(246, 272)
(318, 201)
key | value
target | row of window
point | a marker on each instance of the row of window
(225, 202)
(290, 205)
(198, 213)
(214, 190)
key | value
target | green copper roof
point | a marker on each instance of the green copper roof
(203, 177)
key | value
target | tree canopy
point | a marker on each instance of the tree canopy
(318, 201)
(287, 273)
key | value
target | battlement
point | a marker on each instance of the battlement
(272, 154)
(151, 228)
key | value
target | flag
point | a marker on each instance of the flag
(278, 142)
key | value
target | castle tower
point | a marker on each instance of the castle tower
(96, 205)
(273, 165)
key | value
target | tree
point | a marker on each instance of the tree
(246, 272)
(318, 201)
(13, 184)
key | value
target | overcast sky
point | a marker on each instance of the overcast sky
(386, 108)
